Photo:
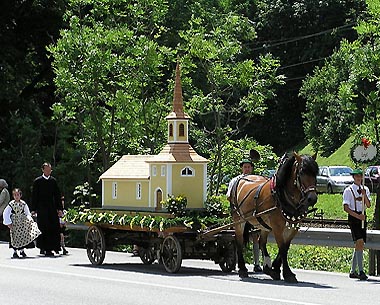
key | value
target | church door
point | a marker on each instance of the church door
(158, 200)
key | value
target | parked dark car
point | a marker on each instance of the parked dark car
(334, 179)
(372, 177)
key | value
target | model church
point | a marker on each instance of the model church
(141, 182)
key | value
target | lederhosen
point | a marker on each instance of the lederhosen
(357, 230)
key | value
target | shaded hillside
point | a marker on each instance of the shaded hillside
(340, 157)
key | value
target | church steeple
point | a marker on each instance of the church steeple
(178, 119)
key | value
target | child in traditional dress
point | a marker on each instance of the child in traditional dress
(23, 229)
(62, 224)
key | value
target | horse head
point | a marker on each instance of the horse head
(296, 186)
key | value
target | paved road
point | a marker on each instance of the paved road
(124, 280)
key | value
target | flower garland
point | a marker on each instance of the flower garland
(196, 221)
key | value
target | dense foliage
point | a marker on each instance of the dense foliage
(343, 95)
(84, 82)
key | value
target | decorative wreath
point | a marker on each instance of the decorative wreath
(364, 152)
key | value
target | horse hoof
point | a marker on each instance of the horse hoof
(291, 279)
(267, 270)
(275, 276)
(243, 273)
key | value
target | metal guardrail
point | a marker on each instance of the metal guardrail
(312, 236)
(332, 237)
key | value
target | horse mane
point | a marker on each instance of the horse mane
(284, 171)
(309, 167)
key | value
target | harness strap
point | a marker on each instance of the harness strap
(257, 195)
(234, 191)
(261, 221)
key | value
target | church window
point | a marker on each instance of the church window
(181, 130)
(154, 170)
(138, 190)
(163, 170)
(187, 172)
(114, 190)
(170, 130)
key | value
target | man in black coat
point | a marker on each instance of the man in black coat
(46, 204)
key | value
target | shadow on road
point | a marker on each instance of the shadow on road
(186, 271)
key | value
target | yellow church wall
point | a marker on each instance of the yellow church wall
(193, 187)
(159, 181)
(129, 193)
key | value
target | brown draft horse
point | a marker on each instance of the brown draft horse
(275, 205)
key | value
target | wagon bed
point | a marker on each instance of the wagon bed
(168, 246)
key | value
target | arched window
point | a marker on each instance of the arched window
(187, 172)
(170, 130)
(181, 130)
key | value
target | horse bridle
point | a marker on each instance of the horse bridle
(298, 182)
(289, 215)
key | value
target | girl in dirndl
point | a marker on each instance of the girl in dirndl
(23, 229)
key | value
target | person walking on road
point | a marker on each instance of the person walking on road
(47, 206)
(356, 198)
(62, 224)
(23, 229)
(4, 200)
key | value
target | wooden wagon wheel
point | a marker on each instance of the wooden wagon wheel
(95, 245)
(171, 254)
(147, 255)
(228, 253)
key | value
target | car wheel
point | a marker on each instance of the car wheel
(329, 189)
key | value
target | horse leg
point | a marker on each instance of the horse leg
(273, 270)
(267, 263)
(288, 275)
(243, 271)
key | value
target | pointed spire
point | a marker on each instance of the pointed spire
(177, 98)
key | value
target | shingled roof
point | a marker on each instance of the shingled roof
(129, 167)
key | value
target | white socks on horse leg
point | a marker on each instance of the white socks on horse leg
(267, 262)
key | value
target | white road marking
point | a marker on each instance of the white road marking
(281, 301)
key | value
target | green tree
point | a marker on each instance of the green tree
(232, 89)
(301, 34)
(342, 96)
(110, 77)
(28, 136)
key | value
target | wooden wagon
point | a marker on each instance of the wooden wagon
(168, 246)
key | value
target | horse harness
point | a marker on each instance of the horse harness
(275, 192)
(235, 206)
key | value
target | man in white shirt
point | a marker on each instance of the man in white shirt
(356, 198)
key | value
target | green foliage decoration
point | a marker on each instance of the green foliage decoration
(217, 206)
(192, 220)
